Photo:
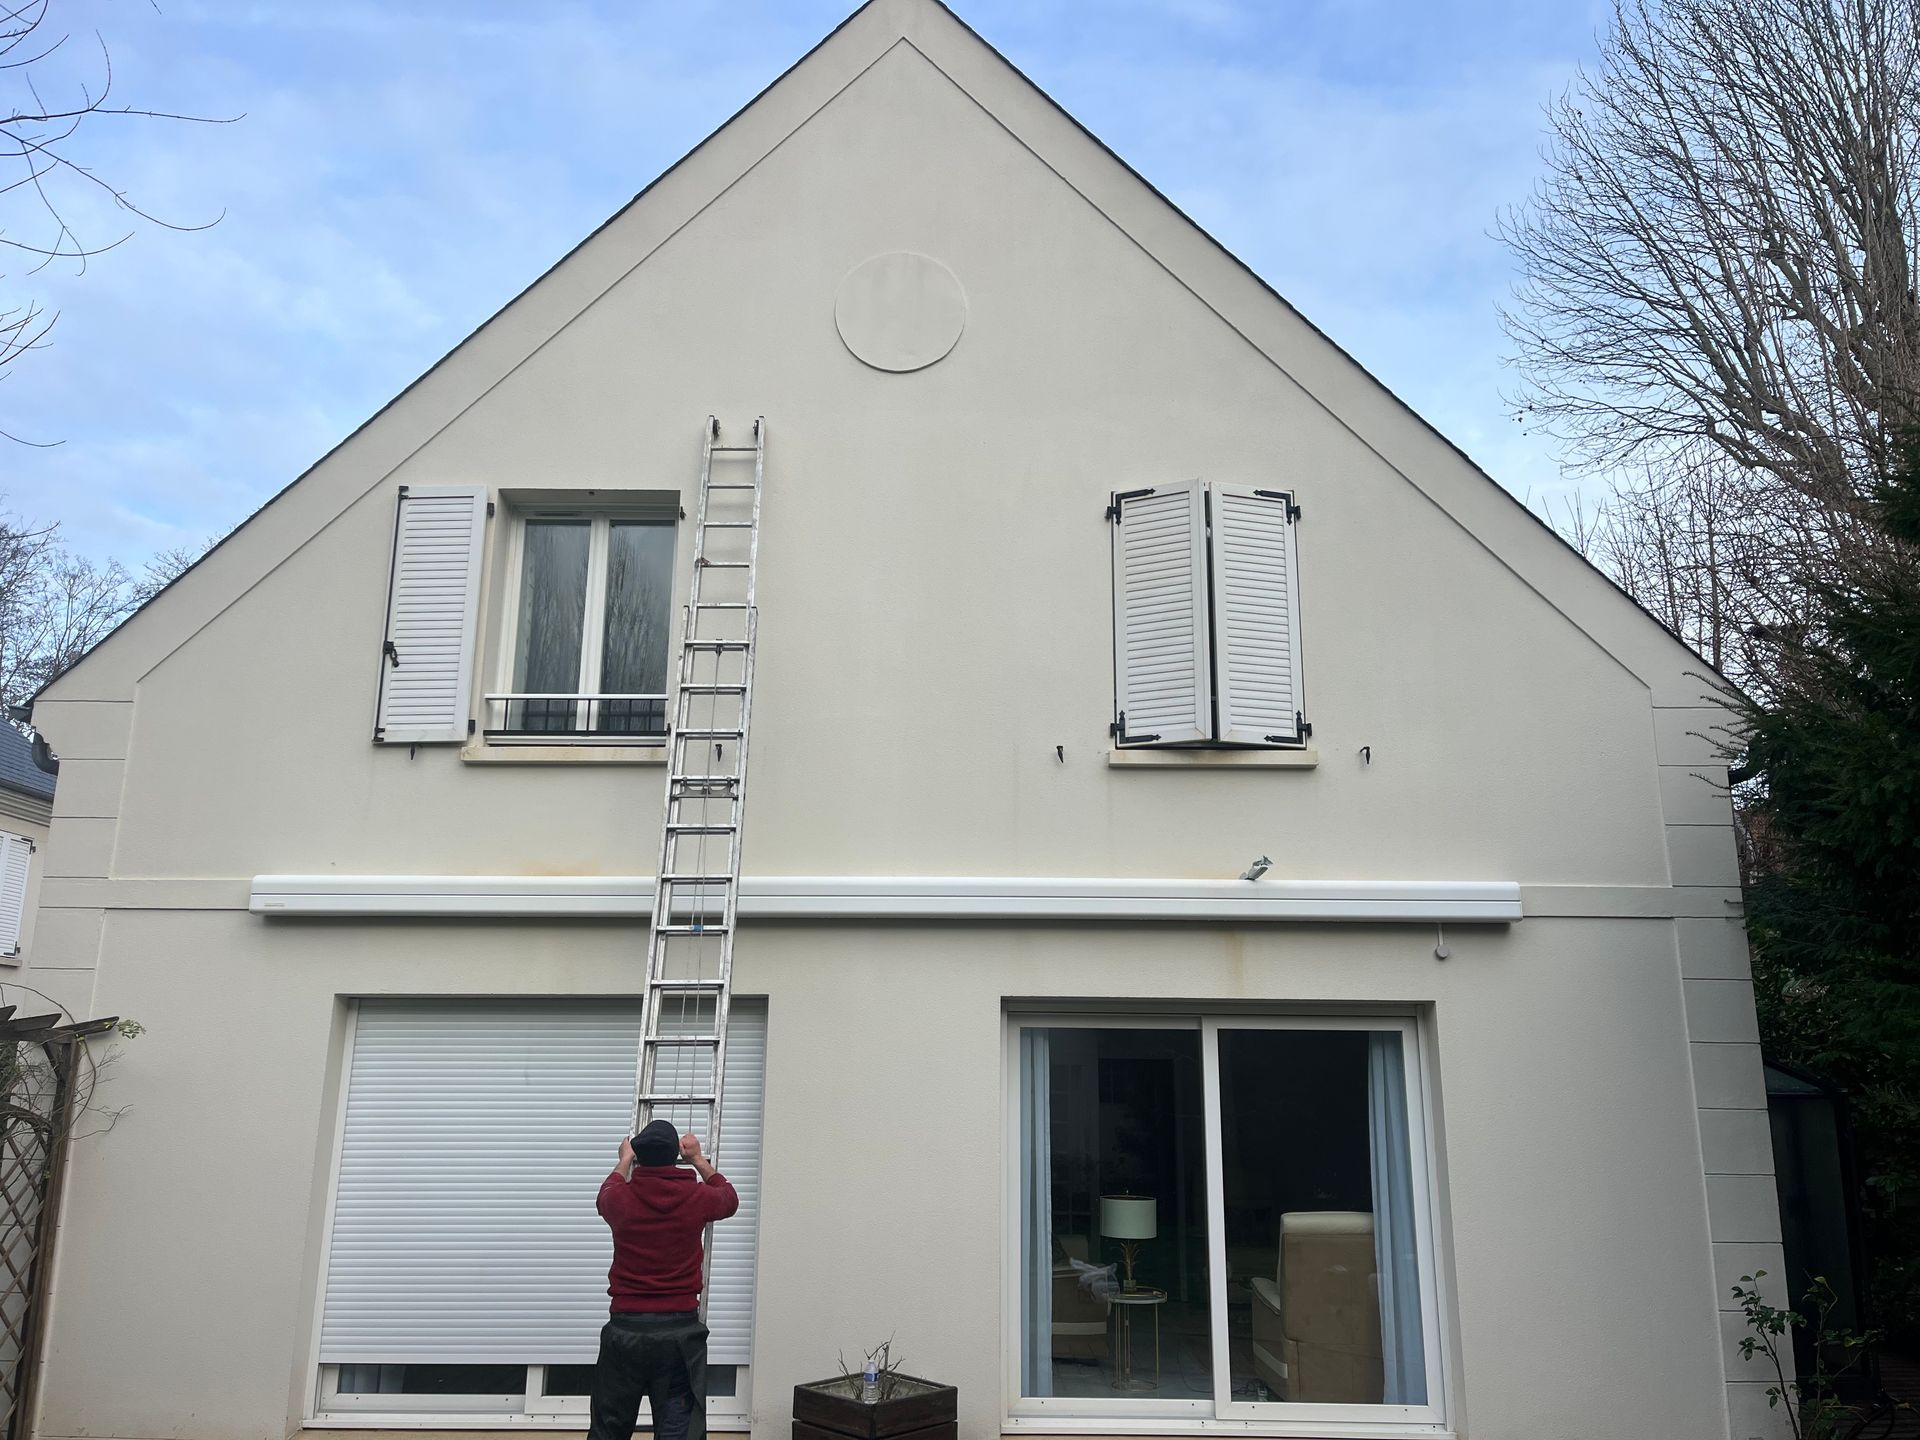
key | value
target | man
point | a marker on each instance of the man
(654, 1346)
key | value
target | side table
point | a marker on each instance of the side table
(1126, 1302)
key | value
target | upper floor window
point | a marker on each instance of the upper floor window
(1206, 617)
(587, 651)
(579, 622)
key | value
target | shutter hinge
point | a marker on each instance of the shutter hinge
(1113, 510)
(403, 490)
(1293, 510)
(470, 726)
(489, 509)
(388, 649)
(1302, 730)
(1118, 729)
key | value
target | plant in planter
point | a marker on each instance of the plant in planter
(907, 1407)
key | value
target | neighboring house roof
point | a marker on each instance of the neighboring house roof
(17, 770)
(1519, 539)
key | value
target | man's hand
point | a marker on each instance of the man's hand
(626, 1157)
(690, 1152)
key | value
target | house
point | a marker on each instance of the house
(26, 810)
(1090, 573)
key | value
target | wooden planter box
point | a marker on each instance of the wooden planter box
(913, 1409)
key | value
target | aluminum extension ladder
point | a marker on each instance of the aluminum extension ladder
(696, 889)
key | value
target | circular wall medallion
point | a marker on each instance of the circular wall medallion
(900, 311)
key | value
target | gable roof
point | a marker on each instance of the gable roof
(1219, 280)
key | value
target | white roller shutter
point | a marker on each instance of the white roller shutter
(736, 1242)
(1256, 616)
(475, 1139)
(16, 854)
(433, 599)
(1160, 615)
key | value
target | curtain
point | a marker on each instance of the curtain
(1402, 1350)
(1036, 1202)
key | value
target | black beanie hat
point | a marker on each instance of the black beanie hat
(658, 1143)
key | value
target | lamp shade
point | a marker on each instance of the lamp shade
(1127, 1217)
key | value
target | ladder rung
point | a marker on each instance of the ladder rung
(731, 485)
(678, 1099)
(720, 605)
(708, 734)
(728, 524)
(683, 1040)
(717, 646)
(736, 450)
(692, 987)
(708, 787)
(682, 877)
(726, 565)
(680, 828)
(718, 928)
(692, 689)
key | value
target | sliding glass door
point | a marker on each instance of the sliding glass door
(1225, 1218)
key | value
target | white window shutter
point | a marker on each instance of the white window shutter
(1160, 615)
(16, 854)
(1256, 599)
(476, 1135)
(433, 600)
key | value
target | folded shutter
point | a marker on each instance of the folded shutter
(433, 598)
(1256, 653)
(475, 1138)
(1160, 615)
(16, 854)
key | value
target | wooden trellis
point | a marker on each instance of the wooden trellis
(39, 1063)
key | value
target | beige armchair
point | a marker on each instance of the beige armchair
(1316, 1325)
(1079, 1318)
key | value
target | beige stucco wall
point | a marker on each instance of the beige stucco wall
(1572, 1208)
(936, 620)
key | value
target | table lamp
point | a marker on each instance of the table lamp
(1128, 1219)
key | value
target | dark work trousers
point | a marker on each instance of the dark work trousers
(658, 1358)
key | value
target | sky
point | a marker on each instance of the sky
(400, 169)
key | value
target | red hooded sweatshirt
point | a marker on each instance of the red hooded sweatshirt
(658, 1219)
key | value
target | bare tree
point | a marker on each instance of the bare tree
(55, 605)
(1717, 307)
(44, 180)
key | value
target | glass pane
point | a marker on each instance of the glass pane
(451, 1380)
(1114, 1240)
(1323, 1278)
(639, 589)
(722, 1380)
(553, 609)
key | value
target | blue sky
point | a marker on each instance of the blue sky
(404, 167)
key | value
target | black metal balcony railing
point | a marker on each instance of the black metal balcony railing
(598, 717)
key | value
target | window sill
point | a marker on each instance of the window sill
(480, 752)
(1169, 759)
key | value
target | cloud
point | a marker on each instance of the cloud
(404, 169)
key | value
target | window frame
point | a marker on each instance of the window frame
(1220, 1414)
(326, 1408)
(601, 518)
(333, 1409)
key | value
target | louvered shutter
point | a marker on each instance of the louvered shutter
(1256, 651)
(1160, 615)
(476, 1136)
(433, 598)
(16, 854)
